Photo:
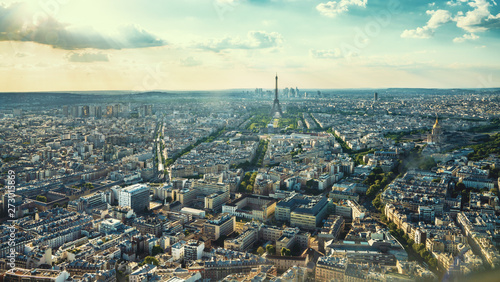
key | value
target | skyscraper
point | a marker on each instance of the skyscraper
(375, 96)
(276, 110)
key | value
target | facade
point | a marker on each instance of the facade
(251, 207)
(291, 237)
(331, 230)
(110, 225)
(150, 225)
(330, 269)
(186, 196)
(214, 202)
(135, 196)
(283, 263)
(193, 250)
(309, 215)
(222, 226)
(177, 251)
(244, 241)
(37, 275)
(270, 233)
(218, 270)
(302, 211)
(208, 188)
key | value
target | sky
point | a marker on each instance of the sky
(74, 45)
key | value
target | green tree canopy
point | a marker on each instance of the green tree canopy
(151, 260)
(285, 252)
(270, 249)
(260, 251)
(41, 198)
(157, 250)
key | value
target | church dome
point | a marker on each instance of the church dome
(436, 125)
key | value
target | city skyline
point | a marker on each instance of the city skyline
(230, 44)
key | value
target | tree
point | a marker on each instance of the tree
(151, 260)
(400, 232)
(260, 251)
(285, 252)
(270, 249)
(433, 262)
(157, 250)
(249, 188)
(41, 198)
(378, 170)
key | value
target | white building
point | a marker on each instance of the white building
(178, 250)
(193, 212)
(135, 196)
(109, 225)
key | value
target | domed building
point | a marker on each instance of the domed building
(436, 137)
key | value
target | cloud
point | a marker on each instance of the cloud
(21, 54)
(228, 2)
(190, 62)
(18, 23)
(465, 37)
(479, 18)
(333, 8)
(326, 54)
(87, 57)
(419, 32)
(438, 18)
(255, 40)
(454, 3)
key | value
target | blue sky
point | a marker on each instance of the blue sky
(221, 44)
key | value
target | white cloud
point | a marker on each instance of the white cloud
(190, 62)
(419, 32)
(17, 24)
(465, 37)
(326, 54)
(255, 40)
(333, 8)
(454, 3)
(438, 18)
(87, 57)
(479, 19)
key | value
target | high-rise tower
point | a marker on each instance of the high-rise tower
(276, 110)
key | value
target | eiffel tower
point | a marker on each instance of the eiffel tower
(276, 110)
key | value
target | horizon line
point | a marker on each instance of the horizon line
(246, 89)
